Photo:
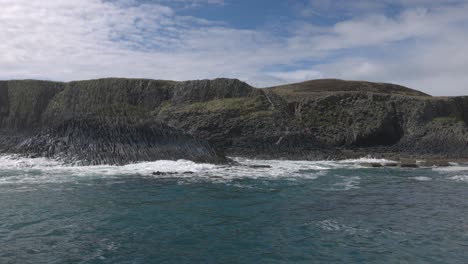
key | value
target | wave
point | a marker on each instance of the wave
(15, 169)
(19, 162)
(332, 225)
(422, 178)
(451, 168)
(274, 167)
(460, 178)
(367, 160)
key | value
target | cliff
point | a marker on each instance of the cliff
(126, 120)
(94, 122)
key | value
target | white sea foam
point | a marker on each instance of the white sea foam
(17, 162)
(451, 168)
(15, 170)
(13, 162)
(421, 178)
(333, 225)
(460, 178)
(315, 165)
(348, 183)
(366, 160)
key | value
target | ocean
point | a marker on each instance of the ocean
(289, 212)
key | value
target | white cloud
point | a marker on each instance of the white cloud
(339, 8)
(424, 48)
(89, 38)
(297, 76)
(197, 2)
(81, 39)
(200, 2)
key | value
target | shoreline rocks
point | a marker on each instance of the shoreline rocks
(120, 121)
(411, 164)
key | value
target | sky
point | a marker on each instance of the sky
(422, 44)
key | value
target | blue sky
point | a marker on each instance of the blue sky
(417, 43)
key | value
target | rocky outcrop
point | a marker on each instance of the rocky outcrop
(117, 121)
(317, 120)
(208, 90)
(23, 102)
(94, 122)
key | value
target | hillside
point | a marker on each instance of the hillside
(321, 86)
(126, 120)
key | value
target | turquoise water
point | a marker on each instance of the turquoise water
(293, 212)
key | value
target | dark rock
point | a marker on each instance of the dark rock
(371, 165)
(89, 142)
(119, 121)
(409, 165)
(259, 166)
(161, 173)
(435, 163)
(208, 90)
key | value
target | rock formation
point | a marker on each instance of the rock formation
(117, 121)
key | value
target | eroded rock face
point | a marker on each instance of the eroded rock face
(117, 121)
(22, 103)
(208, 90)
(89, 142)
(319, 122)
(95, 122)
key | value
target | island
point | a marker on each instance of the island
(120, 121)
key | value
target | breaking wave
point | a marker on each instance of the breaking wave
(271, 167)
(460, 178)
(20, 170)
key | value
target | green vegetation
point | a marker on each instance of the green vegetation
(445, 120)
(165, 106)
(315, 87)
(314, 118)
(261, 114)
(243, 105)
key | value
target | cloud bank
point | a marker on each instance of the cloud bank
(421, 44)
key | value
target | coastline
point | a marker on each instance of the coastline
(122, 121)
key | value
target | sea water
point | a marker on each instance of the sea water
(290, 212)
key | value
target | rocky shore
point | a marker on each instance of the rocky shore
(119, 121)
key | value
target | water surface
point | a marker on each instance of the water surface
(293, 212)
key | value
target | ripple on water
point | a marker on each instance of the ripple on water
(347, 183)
(460, 178)
(333, 225)
(243, 214)
(422, 178)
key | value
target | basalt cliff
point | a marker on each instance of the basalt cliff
(119, 121)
